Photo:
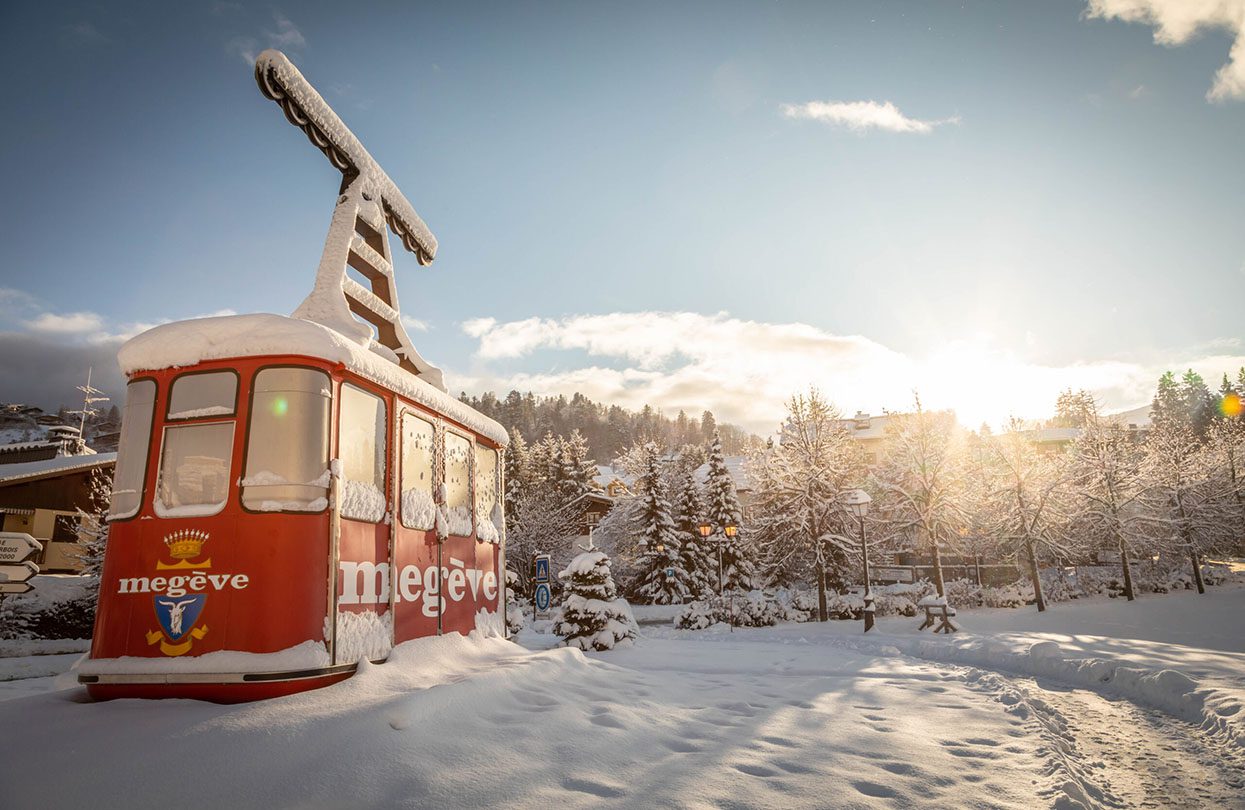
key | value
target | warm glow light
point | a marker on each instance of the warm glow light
(705, 529)
(1231, 406)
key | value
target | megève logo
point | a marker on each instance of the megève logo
(367, 583)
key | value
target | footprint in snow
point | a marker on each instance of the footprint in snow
(756, 770)
(594, 788)
(874, 789)
(607, 720)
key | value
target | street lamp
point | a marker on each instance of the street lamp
(857, 502)
(729, 531)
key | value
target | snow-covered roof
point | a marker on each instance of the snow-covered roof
(10, 473)
(1052, 434)
(607, 475)
(1139, 416)
(187, 343)
(863, 426)
(736, 466)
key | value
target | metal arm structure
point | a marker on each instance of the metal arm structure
(357, 238)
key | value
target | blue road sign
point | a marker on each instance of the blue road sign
(669, 572)
(542, 596)
(542, 568)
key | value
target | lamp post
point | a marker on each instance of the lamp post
(729, 532)
(857, 502)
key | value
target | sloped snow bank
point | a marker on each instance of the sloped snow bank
(1218, 710)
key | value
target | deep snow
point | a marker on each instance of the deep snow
(797, 715)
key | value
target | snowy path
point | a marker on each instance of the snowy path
(790, 716)
(757, 719)
(1140, 757)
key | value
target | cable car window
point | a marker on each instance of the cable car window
(197, 395)
(458, 484)
(361, 445)
(127, 485)
(488, 515)
(418, 443)
(287, 448)
(194, 470)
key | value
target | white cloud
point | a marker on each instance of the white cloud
(744, 371)
(415, 324)
(287, 36)
(1176, 22)
(72, 323)
(862, 116)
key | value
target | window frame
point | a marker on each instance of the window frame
(476, 446)
(237, 395)
(453, 430)
(431, 420)
(151, 431)
(328, 436)
(230, 479)
(383, 394)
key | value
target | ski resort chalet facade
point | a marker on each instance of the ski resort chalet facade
(42, 499)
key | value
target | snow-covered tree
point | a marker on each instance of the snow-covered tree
(539, 522)
(1105, 477)
(922, 479)
(575, 470)
(518, 475)
(661, 578)
(93, 532)
(1197, 509)
(1028, 495)
(1227, 442)
(696, 555)
(721, 503)
(798, 520)
(593, 616)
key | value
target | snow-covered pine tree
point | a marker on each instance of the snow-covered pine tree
(697, 555)
(576, 470)
(661, 578)
(721, 510)
(593, 616)
(518, 473)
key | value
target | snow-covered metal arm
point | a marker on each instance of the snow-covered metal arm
(280, 81)
(365, 312)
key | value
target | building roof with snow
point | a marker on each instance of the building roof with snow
(52, 467)
(736, 466)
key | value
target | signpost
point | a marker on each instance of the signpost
(15, 549)
(542, 596)
(18, 547)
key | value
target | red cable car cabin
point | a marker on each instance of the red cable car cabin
(287, 503)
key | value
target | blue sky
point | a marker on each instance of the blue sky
(645, 201)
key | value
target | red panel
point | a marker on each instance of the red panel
(416, 596)
(263, 576)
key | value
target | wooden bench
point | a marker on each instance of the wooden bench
(943, 616)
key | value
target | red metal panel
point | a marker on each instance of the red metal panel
(415, 602)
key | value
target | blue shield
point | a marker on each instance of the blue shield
(177, 614)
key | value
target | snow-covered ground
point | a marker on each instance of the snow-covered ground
(791, 716)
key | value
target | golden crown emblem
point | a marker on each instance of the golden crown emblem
(186, 544)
